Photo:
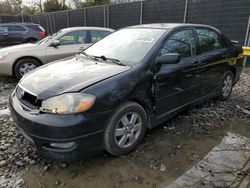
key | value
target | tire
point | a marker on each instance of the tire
(226, 86)
(31, 40)
(24, 66)
(113, 144)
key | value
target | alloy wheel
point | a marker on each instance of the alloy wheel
(27, 67)
(128, 130)
(227, 85)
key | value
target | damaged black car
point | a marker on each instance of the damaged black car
(106, 97)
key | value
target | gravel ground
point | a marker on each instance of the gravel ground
(17, 155)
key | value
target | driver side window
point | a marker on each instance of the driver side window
(182, 42)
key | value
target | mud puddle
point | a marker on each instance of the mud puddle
(165, 155)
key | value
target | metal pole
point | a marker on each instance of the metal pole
(47, 24)
(68, 18)
(185, 12)
(104, 15)
(107, 15)
(0, 19)
(247, 39)
(22, 16)
(39, 20)
(85, 17)
(141, 13)
(54, 22)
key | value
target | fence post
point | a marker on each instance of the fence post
(185, 12)
(247, 39)
(54, 22)
(22, 16)
(104, 16)
(108, 16)
(39, 20)
(0, 18)
(85, 17)
(141, 12)
(68, 18)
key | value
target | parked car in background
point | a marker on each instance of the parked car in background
(130, 81)
(20, 59)
(18, 33)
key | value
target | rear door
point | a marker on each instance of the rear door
(96, 35)
(179, 84)
(70, 44)
(17, 34)
(213, 56)
(3, 35)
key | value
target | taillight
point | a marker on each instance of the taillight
(42, 34)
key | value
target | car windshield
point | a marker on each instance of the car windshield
(46, 39)
(129, 46)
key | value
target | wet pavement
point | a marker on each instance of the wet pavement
(166, 153)
(227, 165)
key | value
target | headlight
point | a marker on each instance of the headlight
(69, 103)
(3, 56)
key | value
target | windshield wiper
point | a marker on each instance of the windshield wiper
(115, 61)
(89, 56)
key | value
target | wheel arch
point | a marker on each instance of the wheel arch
(145, 106)
(24, 57)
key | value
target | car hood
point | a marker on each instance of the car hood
(20, 47)
(70, 75)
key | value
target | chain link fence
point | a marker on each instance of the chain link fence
(230, 16)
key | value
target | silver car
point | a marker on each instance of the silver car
(21, 59)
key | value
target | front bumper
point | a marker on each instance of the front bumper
(43, 129)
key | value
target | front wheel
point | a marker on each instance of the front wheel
(24, 66)
(226, 86)
(126, 129)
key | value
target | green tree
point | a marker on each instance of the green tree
(6, 7)
(54, 5)
(87, 3)
(16, 6)
(30, 10)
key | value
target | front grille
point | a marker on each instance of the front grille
(27, 99)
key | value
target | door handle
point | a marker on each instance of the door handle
(5, 34)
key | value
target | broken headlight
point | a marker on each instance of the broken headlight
(68, 103)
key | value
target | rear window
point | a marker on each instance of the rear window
(36, 28)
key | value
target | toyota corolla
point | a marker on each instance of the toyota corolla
(134, 79)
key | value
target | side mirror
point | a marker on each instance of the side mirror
(55, 43)
(168, 59)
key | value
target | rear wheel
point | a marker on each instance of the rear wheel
(24, 66)
(226, 86)
(126, 129)
(31, 40)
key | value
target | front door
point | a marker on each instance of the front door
(178, 84)
(70, 44)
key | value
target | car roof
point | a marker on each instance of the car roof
(168, 26)
(19, 23)
(86, 28)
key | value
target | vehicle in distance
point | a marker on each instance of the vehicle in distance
(130, 81)
(18, 33)
(21, 59)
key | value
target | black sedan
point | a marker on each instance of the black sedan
(132, 80)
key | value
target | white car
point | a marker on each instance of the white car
(21, 59)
